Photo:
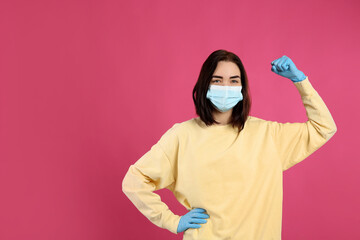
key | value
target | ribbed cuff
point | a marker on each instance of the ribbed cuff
(171, 221)
(304, 87)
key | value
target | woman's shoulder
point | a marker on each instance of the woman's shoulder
(184, 125)
(183, 129)
(260, 122)
(257, 121)
(181, 126)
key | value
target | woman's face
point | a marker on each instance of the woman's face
(226, 74)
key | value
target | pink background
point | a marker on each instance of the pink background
(87, 87)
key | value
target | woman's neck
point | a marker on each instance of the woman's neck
(222, 117)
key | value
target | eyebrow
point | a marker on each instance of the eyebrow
(215, 76)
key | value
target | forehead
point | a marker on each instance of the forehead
(227, 68)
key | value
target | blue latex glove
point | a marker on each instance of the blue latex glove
(286, 68)
(194, 216)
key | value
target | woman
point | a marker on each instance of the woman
(226, 162)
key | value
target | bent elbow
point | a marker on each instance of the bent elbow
(125, 185)
(333, 129)
(329, 134)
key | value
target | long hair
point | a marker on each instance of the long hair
(203, 106)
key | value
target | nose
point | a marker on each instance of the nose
(229, 84)
(225, 83)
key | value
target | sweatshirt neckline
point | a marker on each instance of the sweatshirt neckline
(213, 126)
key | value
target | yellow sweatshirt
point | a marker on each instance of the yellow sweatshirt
(236, 178)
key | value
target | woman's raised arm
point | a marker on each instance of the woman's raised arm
(296, 141)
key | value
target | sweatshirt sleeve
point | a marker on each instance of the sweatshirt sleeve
(296, 141)
(154, 171)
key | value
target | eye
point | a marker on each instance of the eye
(235, 81)
(215, 80)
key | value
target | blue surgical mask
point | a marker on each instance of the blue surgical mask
(224, 98)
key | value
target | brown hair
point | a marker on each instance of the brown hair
(203, 106)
